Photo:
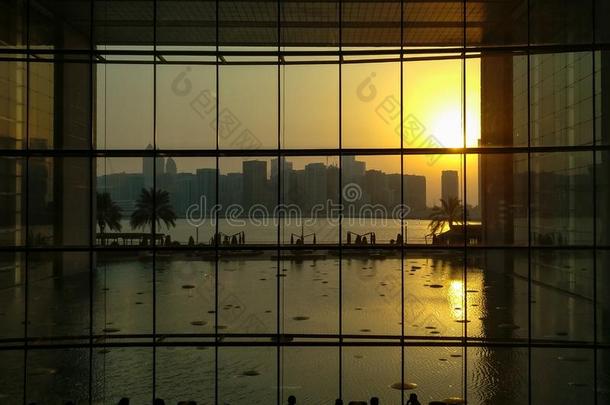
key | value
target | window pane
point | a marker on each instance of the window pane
(186, 188)
(497, 294)
(58, 295)
(117, 22)
(13, 197)
(371, 199)
(309, 288)
(247, 293)
(310, 106)
(13, 20)
(561, 22)
(602, 283)
(310, 198)
(186, 107)
(568, 375)
(497, 199)
(502, 93)
(561, 99)
(111, 382)
(418, 30)
(433, 101)
(359, 384)
(496, 23)
(430, 181)
(248, 107)
(124, 92)
(12, 295)
(57, 375)
(123, 293)
(11, 375)
(197, 24)
(440, 380)
(434, 293)
(602, 189)
(13, 104)
(70, 31)
(562, 279)
(123, 201)
(310, 374)
(185, 372)
(59, 201)
(185, 286)
(370, 23)
(509, 362)
(248, 194)
(566, 179)
(247, 375)
(371, 105)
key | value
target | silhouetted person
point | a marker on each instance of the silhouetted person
(124, 401)
(374, 401)
(349, 241)
(338, 401)
(413, 400)
(158, 401)
(292, 400)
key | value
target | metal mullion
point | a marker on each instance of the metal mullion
(529, 212)
(465, 213)
(26, 185)
(217, 198)
(154, 222)
(595, 213)
(92, 190)
(340, 130)
(279, 219)
(402, 205)
(333, 247)
(298, 152)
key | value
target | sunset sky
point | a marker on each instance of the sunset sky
(433, 95)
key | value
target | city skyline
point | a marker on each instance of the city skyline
(233, 165)
(299, 184)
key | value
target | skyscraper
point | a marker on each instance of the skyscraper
(449, 185)
(150, 169)
(254, 183)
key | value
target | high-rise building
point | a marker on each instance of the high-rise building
(353, 170)
(255, 183)
(315, 185)
(415, 193)
(449, 185)
(206, 187)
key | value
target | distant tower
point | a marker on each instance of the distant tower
(254, 182)
(449, 185)
(149, 169)
(170, 166)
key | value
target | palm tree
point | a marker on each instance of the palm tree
(450, 212)
(153, 205)
(108, 214)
